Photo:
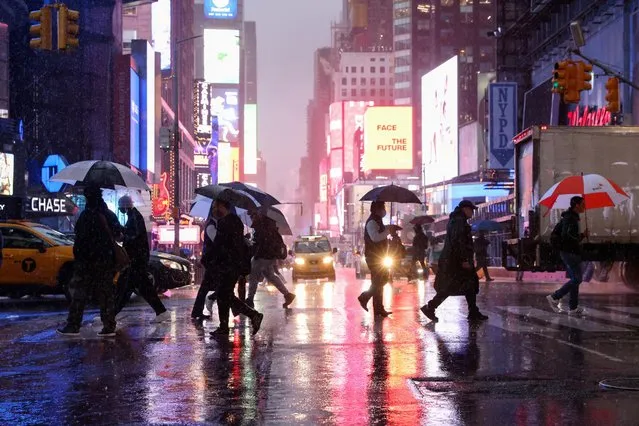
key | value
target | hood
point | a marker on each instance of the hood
(168, 256)
(570, 214)
(457, 214)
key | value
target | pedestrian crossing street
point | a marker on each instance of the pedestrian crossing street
(598, 319)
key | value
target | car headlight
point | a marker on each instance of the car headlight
(171, 264)
(327, 260)
(299, 261)
(387, 262)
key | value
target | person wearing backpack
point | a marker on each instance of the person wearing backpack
(268, 248)
(569, 244)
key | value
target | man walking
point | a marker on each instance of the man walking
(420, 245)
(570, 253)
(208, 280)
(94, 266)
(456, 274)
(229, 260)
(375, 249)
(481, 254)
(136, 244)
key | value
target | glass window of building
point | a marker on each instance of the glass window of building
(448, 3)
(466, 6)
(382, 92)
(373, 92)
(353, 69)
(372, 70)
(361, 69)
(372, 59)
(130, 11)
(382, 69)
(382, 81)
(362, 81)
(382, 59)
(373, 82)
(354, 81)
(362, 92)
(344, 92)
(353, 92)
(344, 81)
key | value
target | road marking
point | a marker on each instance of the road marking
(612, 316)
(626, 309)
(590, 351)
(562, 320)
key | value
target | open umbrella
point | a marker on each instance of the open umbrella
(422, 220)
(280, 220)
(104, 174)
(391, 194)
(597, 191)
(486, 226)
(239, 199)
(262, 197)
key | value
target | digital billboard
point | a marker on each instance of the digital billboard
(353, 126)
(220, 9)
(222, 56)
(134, 139)
(336, 171)
(440, 122)
(211, 101)
(336, 117)
(225, 163)
(250, 139)
(6, 173)
(148, 142)
(388, 138)
(161, 31)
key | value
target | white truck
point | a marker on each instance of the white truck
(545, 155)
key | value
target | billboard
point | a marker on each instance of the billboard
(220, 9)
(148, 139)
(353, 127)
(336, 118)
(502, 105)
(134, 137)
(250, 139)
(323, 189)
(222, 56)
(211, 101)
(122, 109)
(7, 166)
(440, 122)
(388, 138)
(225, 163)
(335, 172)
(161, 31)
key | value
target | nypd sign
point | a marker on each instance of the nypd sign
(502, 102)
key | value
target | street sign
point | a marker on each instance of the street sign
(502, 102)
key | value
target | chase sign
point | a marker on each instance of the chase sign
(52, 165)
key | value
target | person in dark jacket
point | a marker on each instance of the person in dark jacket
(481, 253)
(420, 245)
(208, 280)
(456, 275)
(136, 244)
(227, 250)
(570, 253)
(94, 266)
(375, 250)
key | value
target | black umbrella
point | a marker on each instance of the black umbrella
(391, 194)
(240, 199)
(262, 197)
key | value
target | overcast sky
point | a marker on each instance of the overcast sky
(288, 32)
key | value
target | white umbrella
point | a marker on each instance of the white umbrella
(104, 174)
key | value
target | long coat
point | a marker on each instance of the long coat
(452, 279)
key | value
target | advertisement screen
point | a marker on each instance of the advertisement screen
(6, 173)
(148, 139)
(222, 56)
(335, 172)
(250, 139)
(225, 163)
(353, 127)
(161, 31)
(440, 122)
(220, 9)
(134, 139)
(221, 103)
(235, 157)
(388, 138)
(323, 189)
(335, 125)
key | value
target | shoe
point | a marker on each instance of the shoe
(200, 317)
(209, 304)
(163, 317)
(489, 280)
(107, 332)
(430, 313)
(97, 320)
(383, 313)
(477, 316)
(563, 307)
(554, 304)
(250, 303)
(220, 333)
(256, 322)
(363, 301)
(288, 299)
(579, 310)
(68, 330)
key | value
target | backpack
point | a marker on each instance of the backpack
(245, 252)
(555, 235)
(279, 248)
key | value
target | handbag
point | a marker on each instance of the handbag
(121, 258)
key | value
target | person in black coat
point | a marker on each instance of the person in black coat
(420, 245)
(456, 275)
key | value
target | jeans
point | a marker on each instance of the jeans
(264, 268)
(574, 270)
(379, 278)
(227, 300)
(137, 277)
(208, 284)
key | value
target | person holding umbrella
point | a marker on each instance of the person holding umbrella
(456, 275)
(481, 254)
(420, 245)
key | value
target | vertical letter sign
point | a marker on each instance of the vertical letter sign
(502, 103)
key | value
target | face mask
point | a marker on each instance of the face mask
(122, 210)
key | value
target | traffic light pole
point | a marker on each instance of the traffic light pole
(606, 69)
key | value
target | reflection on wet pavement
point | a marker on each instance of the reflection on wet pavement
(325, 361)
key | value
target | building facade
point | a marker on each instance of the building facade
(364, 76)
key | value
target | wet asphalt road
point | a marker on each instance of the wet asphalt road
(326, 362)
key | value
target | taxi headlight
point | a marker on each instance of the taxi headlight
(299, 261)
(387, 262)
(327, 260)
(171, 264)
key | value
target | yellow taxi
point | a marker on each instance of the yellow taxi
(35, 260)
(313, 258)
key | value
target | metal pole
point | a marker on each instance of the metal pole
(176, 135)
(606, 69)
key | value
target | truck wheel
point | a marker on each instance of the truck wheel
(630, 274)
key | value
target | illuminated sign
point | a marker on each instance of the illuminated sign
(222, 56)
(336, 117)
(148, 140)
(235, 158)
(203, 179)
(52, 165)
(6, 173)
(216, 109)
(440, 122)
(50, 205)
(161, 31)
(220, 9)
(502, 103)
(134, 139)
(225, 163)
(188, 234)
(250, 139)
(353, 126)
(160, 197)
(593, 117)
(388, 138)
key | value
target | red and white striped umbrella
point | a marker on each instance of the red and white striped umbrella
(597, 191)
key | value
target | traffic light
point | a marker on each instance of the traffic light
(559, 76)
(571, 91)
(612, 95)
(68, 28)
(42, 31)
(584, 76)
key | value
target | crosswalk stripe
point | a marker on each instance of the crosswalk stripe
(562, 319)
(626, 309)
(612, 316)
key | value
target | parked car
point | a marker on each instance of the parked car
(170, 271)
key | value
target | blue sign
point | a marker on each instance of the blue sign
(502, 102)
(135, 120)
(220, 9)
(212, 149)
(52, 165)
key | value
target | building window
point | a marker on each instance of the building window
(372, 59)
(130, 11)
(390, 81)
(390, 92)
(373, 92)
(354, 81)
(382, 69)
(362, 81)
(353, 92)
(382, 59)
(373, 82)
(344, 92)
(346, 69)
(344, 81)
(362, 92)
(372, 70)
(353, 69)
(382, 92)
(362, 69)
(382, 81)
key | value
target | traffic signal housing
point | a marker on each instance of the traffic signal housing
(584, 75)
(571, 91)
(68, 28)
(42, 32)
(559, 77)
(612, 95)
